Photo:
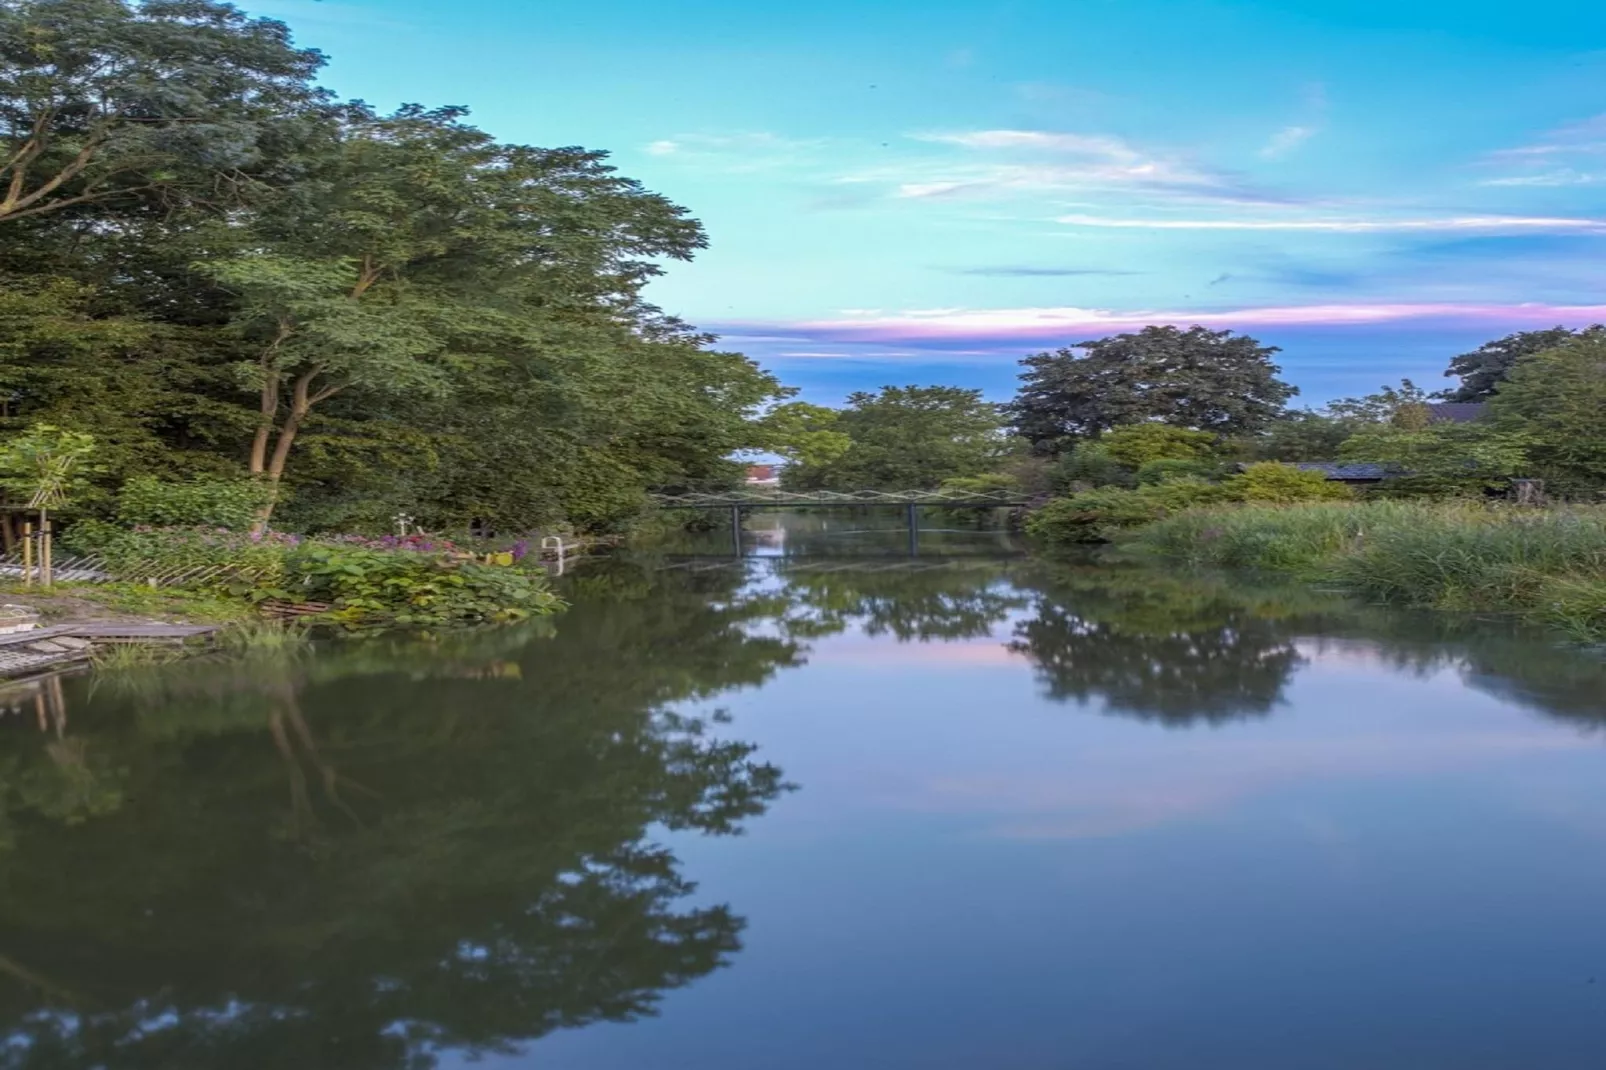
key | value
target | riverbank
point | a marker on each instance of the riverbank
(1546, 565)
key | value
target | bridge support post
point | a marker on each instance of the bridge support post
(736, 530)
(914, 529)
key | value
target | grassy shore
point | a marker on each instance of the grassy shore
(1546, 564)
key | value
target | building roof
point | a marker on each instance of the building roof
(1454, 412)
(1337, 470)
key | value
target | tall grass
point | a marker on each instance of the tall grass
(1548, 564)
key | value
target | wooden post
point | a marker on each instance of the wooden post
(27, 553)
(914, 529)
(736, 530)
(45, 577)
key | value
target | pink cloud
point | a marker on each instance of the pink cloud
(1024, 324)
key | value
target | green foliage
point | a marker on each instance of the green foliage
(907, 438)
(211, 503)
(406, 588)
(1210, 381)
(1087, 465)
(1284, 484)
(1549, 564)
(1099, 515)
(1483, 370)
(114, 107)
(1135, 445)
(1167, 469)
(1442, 459)
(1554, 404)
(804, 434)
(1401, 406)
(45, 465)
(1301, 435)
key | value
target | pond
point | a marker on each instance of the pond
(825, 805)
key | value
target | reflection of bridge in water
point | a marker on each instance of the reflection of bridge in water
(853, 565)
(910, 501)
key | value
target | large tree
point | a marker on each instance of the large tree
(1483, 369)
(1555, 401)
(1196, 378)
(909, 437)
(111, 106)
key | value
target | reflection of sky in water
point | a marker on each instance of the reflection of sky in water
(1394, 867)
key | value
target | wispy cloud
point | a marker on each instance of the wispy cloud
(1548, 160)
(1564, 177)
(1287, 140)
(1490, 224)
(1006, 326)
(747, 151)
(1002, 161)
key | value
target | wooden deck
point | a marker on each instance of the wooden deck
(41, 648)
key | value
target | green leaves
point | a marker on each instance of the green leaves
(45, 464)
(902, 438)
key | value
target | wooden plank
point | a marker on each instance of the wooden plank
(112, 630)
(36, 634)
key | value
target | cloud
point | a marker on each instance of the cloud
(1287, 140)
(1485, 224)
(1010, 160)
(1545, 162)
(747, 151)
(1029, 272)
(1007, 326)
(1564, 177)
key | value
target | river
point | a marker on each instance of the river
(825, 805)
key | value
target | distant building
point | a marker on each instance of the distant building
(1353, 474)
(763, 475)
(1454, 412)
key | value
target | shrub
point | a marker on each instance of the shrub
(212, 503)
(1088, 466)
(1168, 469)
(1098, 515)
(1137, 444)
(1272, 482)
(373, 586)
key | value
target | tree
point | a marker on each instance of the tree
(1483, 370)
(912, 437)
(422, 246)
(1135, 445)
(107, 105)
(1206, 380)
(1555, 401)
(1300, 435)
(804, 434)
(1443, 458)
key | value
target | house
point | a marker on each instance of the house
(1354, 474)
(1454, 412)
(763, 475)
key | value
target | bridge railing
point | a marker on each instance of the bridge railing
(766, 497)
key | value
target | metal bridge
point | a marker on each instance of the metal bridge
(910, 501)
(836, 499)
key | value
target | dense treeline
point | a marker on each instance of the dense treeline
(222, 270)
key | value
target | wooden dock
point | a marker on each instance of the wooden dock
(41, 648)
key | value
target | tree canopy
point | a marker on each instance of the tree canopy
(1205, 380)
(909, 437)
(1483, 369)
(366, 312)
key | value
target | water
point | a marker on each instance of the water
(994, 813)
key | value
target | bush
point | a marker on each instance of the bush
(1137, 444)
(368, 586)
(1088, 466)
(1272, 482)
(1173, 468)
(211, 503)
(1098, 515)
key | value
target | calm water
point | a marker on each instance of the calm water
(826, 806)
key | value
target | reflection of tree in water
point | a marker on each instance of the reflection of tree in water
(1185, 648)
(963, 601)
(1171, 649)
(365, 857)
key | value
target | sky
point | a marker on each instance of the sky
(924, 191)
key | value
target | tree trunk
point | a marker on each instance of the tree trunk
(301, 402)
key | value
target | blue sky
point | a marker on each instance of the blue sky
(902, 192)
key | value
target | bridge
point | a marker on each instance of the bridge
(910, 501)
